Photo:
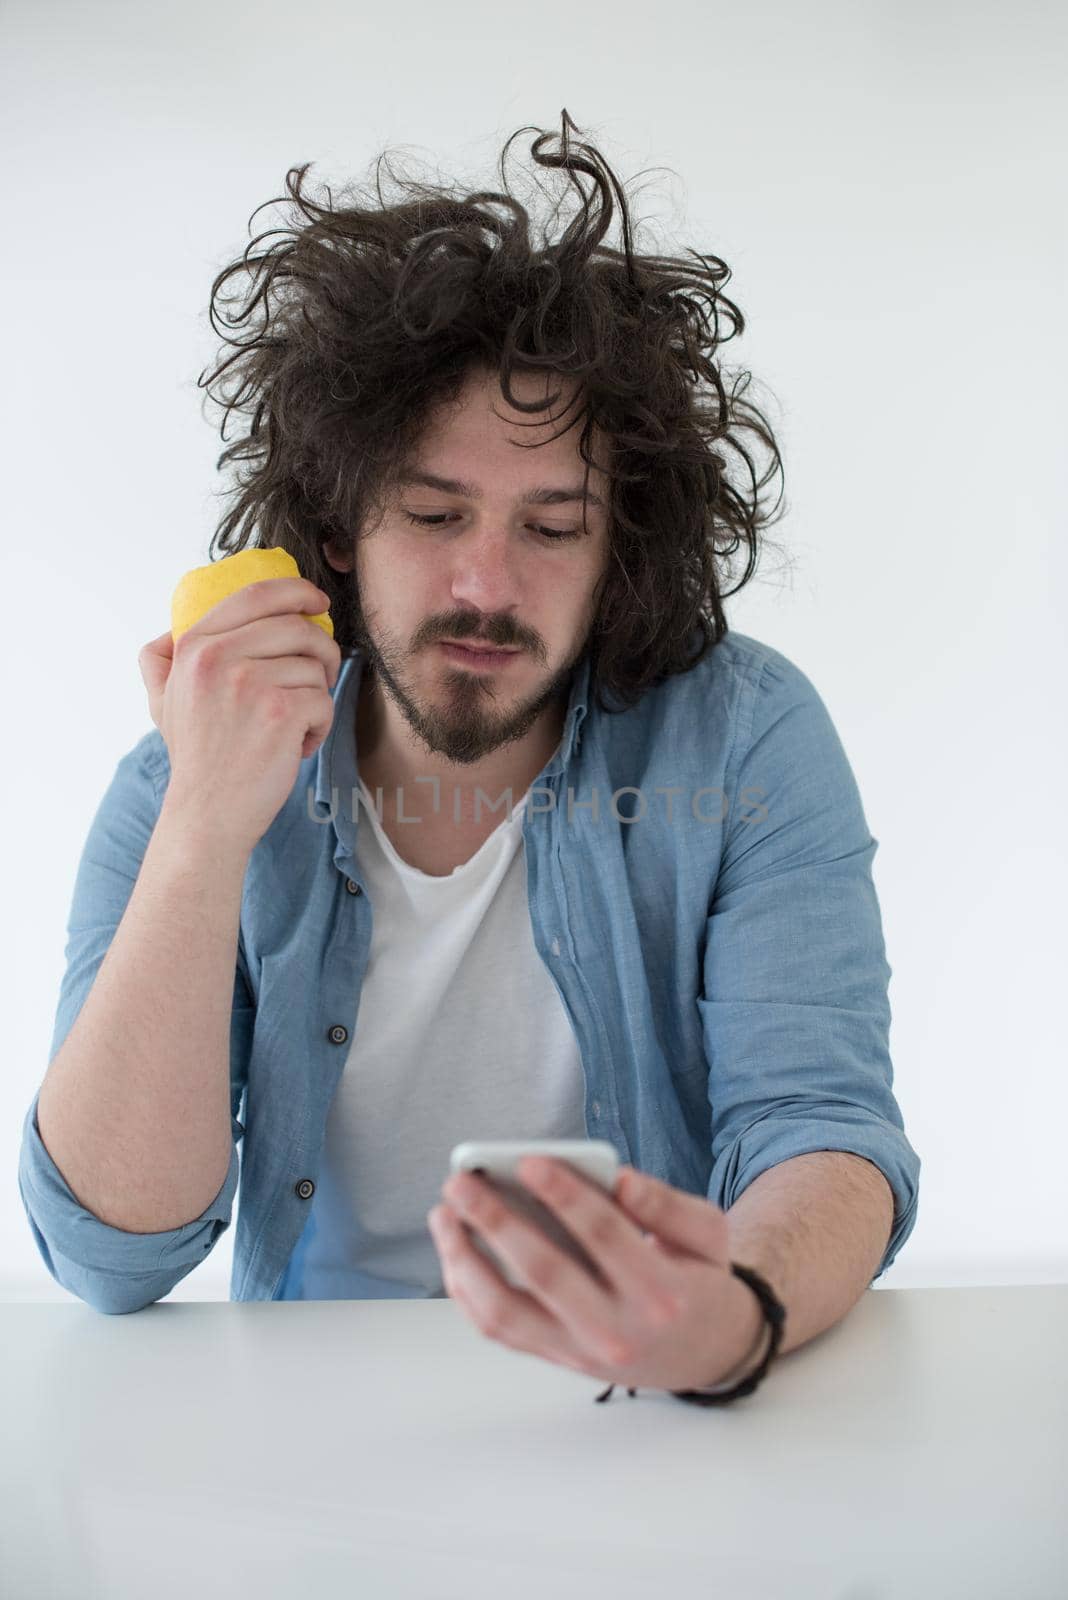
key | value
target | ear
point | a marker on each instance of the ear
(340, 557)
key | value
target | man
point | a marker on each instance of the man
(494, 906)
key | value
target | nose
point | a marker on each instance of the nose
(485, 581)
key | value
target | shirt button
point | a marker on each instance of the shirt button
(556, 947)
(596, 1108)
(337, 1034)
(305, 1188)
(352, 886)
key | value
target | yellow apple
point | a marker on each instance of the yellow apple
(203, 587)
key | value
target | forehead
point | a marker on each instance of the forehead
(482, 418)
(557, 493)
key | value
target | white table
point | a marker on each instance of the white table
(378, 1449)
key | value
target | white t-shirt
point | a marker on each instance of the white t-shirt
(461, 1034)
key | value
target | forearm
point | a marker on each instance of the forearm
(815, 1227)
(134, 1109)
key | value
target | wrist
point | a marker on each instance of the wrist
(189, 834)
(749, 1337)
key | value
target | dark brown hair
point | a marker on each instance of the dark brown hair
(370, 315)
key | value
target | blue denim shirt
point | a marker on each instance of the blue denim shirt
(700, 891)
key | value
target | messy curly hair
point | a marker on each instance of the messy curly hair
(372, 315)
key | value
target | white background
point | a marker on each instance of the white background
(886, 183)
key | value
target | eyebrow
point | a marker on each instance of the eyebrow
(546, 495)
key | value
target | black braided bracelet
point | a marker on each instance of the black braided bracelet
(775, 1316)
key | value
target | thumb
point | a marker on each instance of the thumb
(155, 660)
(677, 1220)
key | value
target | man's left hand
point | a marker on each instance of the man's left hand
(669, 1314)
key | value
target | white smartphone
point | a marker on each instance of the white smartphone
(496, 1162)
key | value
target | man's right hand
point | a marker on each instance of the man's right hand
(241, 700)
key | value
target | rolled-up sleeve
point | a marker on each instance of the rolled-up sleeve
(795, 1008)
(111, 1269)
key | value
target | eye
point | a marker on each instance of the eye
(554, 535)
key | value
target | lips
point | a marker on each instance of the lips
(480, 650)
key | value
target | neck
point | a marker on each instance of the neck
(396, 773)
